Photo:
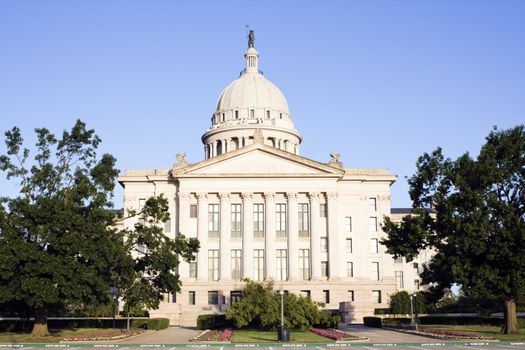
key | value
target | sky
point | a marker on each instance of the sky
(380, 82)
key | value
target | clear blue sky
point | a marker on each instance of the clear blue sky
(380, 82)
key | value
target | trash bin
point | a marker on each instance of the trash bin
(283, 334)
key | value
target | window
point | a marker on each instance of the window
(280, 116)
(142, 203)
(351, 295)
(373, 246)
(372, 224)
(399, 279)
(416, 266)
(324, 268)
(213, 297)
(193, 210)
(372, 204)
(258, 220)
(376, 296)
(416, 284)
(282, 263)
(267, 114)
(304, 264)
(349, 245)
(322, 210)
(191, 297)
(236, 264)
(236, 114)
(305, 293)
(235, 296)
(213, 220)
(236, 221)
(326, 294)
(193, 269)
(252, 113)
(213, 265)
(303, 220)
(223, 117)
(324, 244)
(398, 260)
(280, 219)
(167, 226)
(348, 224)
(349, 269)
(258, 264)
(173, 297)
(375, 271)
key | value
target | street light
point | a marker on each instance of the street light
(413, 306)
(114, 293)
(282, 306)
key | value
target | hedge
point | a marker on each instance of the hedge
(427, 320)
(21, 325)
(213, 321)
(158, 323)
(371, 321)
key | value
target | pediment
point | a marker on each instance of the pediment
(259, 160)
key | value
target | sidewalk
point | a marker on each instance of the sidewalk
(170, 335)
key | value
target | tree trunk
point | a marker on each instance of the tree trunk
(510, 324)
(40, 326)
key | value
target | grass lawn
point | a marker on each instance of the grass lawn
(484, 331)
(256, 336)
(56, 335)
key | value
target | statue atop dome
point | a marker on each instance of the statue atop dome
(251, 39)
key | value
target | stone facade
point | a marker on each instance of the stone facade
(262, 211)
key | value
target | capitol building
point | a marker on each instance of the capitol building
(263, 211)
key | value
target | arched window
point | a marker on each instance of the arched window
(219, 147)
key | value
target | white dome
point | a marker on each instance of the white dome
(252, 91)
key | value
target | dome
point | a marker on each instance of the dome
(252, 91)
(251, 108)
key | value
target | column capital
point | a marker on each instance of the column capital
(183, 195)
(269, 196)
(314, 196)
(247, 196)
(332, 195)
(224, 196)
(202, 196)
(291, 195)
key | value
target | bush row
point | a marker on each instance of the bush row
(148, 323)
(426, 320)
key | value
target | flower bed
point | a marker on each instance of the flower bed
(105, 334)
(335, 335)
(439, 333)
(223, 335)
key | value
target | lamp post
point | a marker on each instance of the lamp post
(282, 306)
(414, 310)
(114, 293)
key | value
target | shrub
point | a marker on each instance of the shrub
(158, 323)
(400, 303)
(20, 325)
(213, 321)
(381, 311)
(371, 321)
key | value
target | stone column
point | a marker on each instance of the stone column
(269, 246)
(333, 236)
(182, 226)
(247, 235)
(315, 236)
(225, 227)
(202, 236)
(293, 237)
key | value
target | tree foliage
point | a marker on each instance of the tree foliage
(151, 273)
(55, 241)
(260, 306)
(471, 211)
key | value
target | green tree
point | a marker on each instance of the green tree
(260, 305)
(153, 257)
(56, 240)
(400, 303)
(472, 213)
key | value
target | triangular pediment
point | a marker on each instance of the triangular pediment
(259, 159)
